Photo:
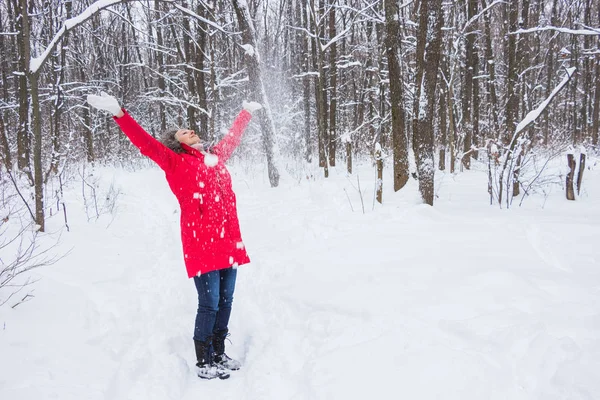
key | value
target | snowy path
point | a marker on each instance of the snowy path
(455, 302)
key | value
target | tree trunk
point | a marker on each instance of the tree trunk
(587, 73)
(379, 184)
(491, 69)
(596, 114)
(570, 175)
(442, 160)
(524, 61)
(516, 173)
(332, 137)
(431, 18)
(447, 115)
(550, 71)
(575, 128)
(199, 72)
(37, 153)
(443, 121)
(5, 156)
(580, 172)
(161, 70)
(318, 84)
(399, 138)
(306, 82)
(290, 63)
(452, 129)
(475, 139)
(59, 102)
(349, 156)
(321, 90)
(467, 94)
(512, 102)
(88, 138)
(23, 137)
(215, 93)
(258, 90)
(190, 58)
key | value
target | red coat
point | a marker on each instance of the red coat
(210, 230)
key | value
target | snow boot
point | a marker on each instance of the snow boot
(206, 366)
(220, 357)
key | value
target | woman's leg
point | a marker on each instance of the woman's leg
(226, 288)
(207, 286)
(228, 277)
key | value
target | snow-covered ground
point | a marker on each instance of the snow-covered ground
(459, 301)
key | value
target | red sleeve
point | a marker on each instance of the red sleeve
(150, 147)
(232, 139)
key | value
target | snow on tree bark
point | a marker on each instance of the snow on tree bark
(254, 74)
(431, 19)
(399, 137)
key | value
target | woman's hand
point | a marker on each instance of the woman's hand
(105, 102)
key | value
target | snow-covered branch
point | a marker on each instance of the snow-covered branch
(309, 33)
(350, 25)
(512, 155)
(462, 35)
(200, 18)
(586, 32)
(404, 5)
(469, 22)
(377, 18)
(37, 62)
(534, 114)
(336, 38)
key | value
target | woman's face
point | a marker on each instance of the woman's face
(187, 136)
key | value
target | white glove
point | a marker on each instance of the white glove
(251, 106)
(104, 102)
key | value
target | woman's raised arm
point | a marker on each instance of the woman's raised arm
(149, 146)
(232, 139)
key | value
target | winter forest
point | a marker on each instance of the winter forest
(444, 81)
(416, 93)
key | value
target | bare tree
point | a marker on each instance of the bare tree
(20, 247)
(515, 145)
(429, 41)
(399, 137)
(258, 90)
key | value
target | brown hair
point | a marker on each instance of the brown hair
(168, 139)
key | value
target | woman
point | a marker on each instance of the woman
(210, 232)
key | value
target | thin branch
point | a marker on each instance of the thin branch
(584, 32)
(207, 21)
(37, 62)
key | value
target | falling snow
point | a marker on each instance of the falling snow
(210, 160)
(457, 301)
(248, 49)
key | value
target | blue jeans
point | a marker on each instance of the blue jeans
(215, 295)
